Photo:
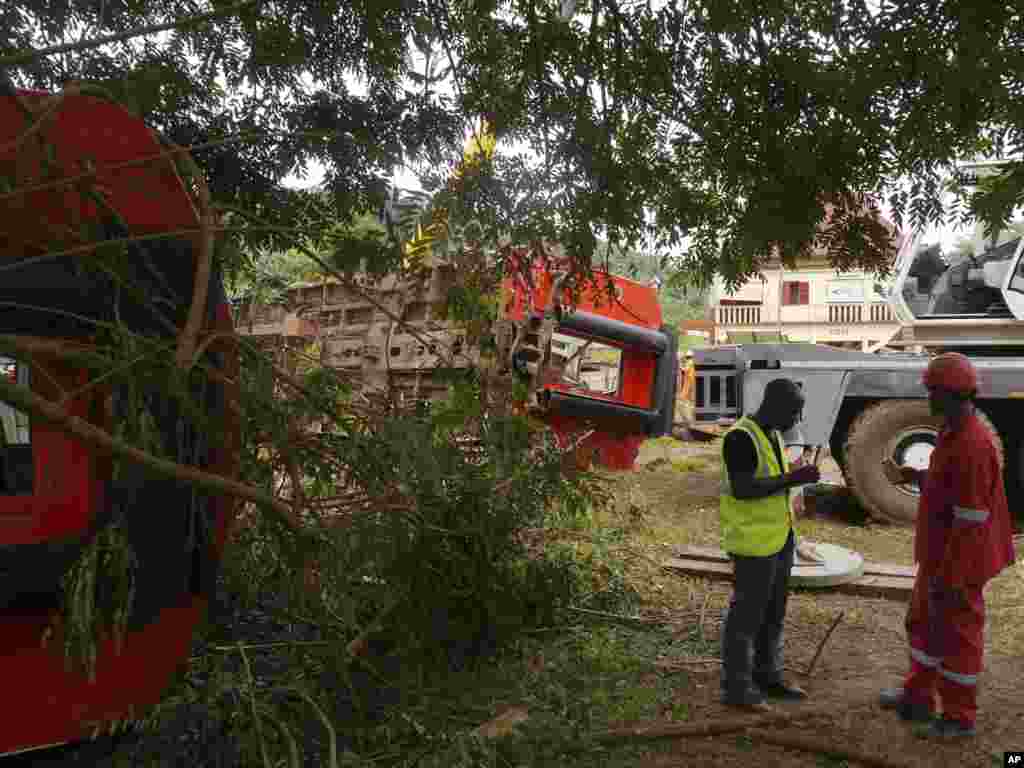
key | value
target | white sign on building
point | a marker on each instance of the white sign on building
(844, 291)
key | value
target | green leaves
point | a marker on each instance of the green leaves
(727, 126)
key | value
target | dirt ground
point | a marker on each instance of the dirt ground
(866, 653)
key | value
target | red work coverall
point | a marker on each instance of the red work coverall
(964, 537)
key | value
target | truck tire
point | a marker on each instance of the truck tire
(905, 431)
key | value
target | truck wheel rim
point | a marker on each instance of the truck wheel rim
(913, 446)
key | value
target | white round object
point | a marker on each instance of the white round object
(839, 566)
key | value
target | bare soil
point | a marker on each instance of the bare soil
(867, 652)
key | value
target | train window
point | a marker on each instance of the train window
(16, 470)
(584, 365)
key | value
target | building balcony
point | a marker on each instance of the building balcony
(753, 315)
(738, 315)
(862, 325)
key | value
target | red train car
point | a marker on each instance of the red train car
(623, 319)
(57, 492)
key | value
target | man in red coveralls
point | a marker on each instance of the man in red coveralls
(964, 537)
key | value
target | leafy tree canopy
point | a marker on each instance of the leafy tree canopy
(722, 130)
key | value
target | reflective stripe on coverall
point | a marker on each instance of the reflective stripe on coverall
(963, 539)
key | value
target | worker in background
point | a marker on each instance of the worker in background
(963, 539)
(757, 532)
(689, 376)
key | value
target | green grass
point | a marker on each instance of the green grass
(575, 683)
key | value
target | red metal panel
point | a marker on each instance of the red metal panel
(96, 136)
(87, 135)
(55, 705)
(67, 488)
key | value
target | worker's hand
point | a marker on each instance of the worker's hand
(807, 473)
(806, 551)
(797, 504)
(899, 474)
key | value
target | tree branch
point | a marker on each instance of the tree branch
(204, 265)
(657, 731)
(821, 645)
(97, 438)
(144, 159)
(96, 42)
(89, 247)
(830, 748)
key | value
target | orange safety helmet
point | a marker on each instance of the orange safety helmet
(953, 372)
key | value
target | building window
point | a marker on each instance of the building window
(796, 293)
(16, 461)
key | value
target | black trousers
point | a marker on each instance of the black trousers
(752, 637)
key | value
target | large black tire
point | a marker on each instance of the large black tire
(897, 429)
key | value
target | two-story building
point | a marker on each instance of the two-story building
(811, 303)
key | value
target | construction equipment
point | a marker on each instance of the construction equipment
(77, 170)
(953, 290)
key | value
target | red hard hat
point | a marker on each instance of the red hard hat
(953, 372)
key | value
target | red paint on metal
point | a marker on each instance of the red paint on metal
(95, 137)
(610, 296)
(88, 135)
(55, 705)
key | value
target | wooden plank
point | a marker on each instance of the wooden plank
(892, 587)
(710, 554)
(703, 568)
(890, 569)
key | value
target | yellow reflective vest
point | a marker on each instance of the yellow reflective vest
(756, 526)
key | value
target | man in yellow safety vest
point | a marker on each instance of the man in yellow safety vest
(757, 532)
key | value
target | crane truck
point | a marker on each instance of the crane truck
(952, 290)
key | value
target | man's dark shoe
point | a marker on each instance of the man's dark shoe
(947, 728)
(890, 698)
(783, 691)
(750, 700)
(911, 711)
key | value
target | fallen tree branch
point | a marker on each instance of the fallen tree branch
(658, 731)
(688, 661)
(628, 620)
(694, 661)
(68, 349)
(821, 645)
(97, 438)
(703, 610)
(829, 748)
(204, 264)
(654, 731)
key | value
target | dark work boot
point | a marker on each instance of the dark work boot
(890, 698)
(768, 667)
(783, 691)
(738, 689)
(948, 728)
(911, 711)
(750, 700)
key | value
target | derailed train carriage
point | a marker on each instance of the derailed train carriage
(56, 491)
(82, 170)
